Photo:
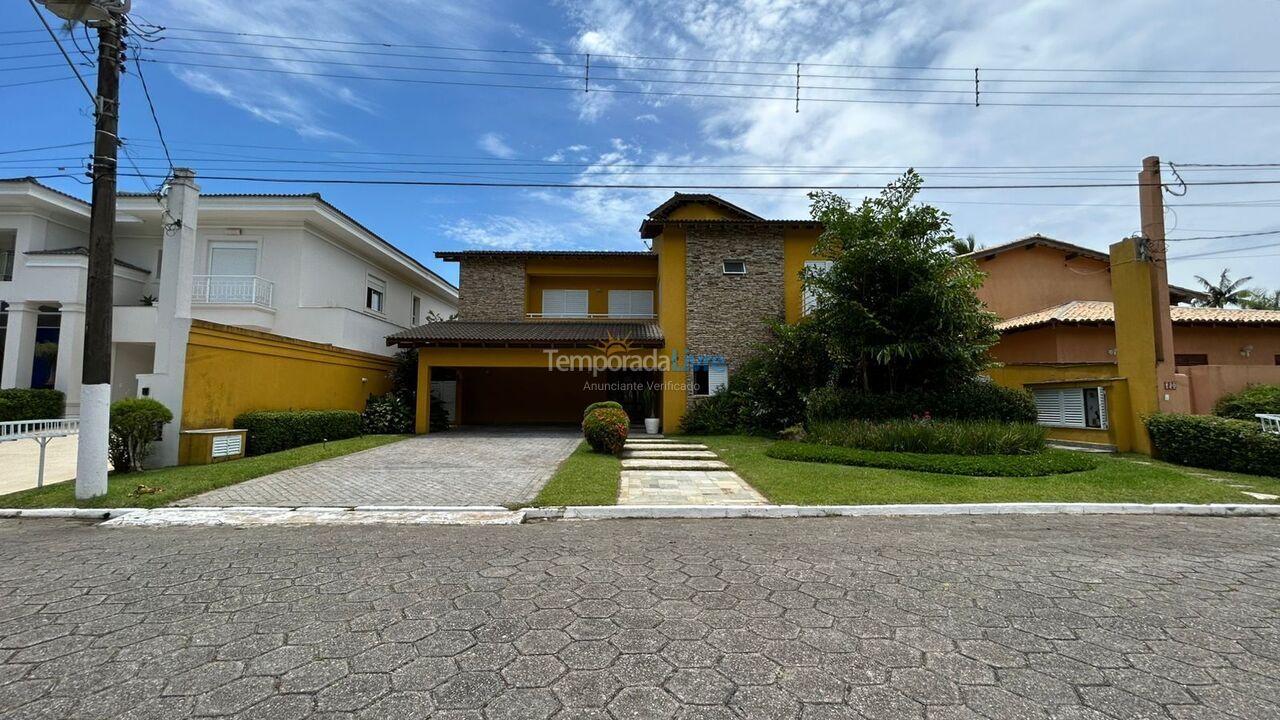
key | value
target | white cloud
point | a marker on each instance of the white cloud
(648, 118)
(495, 145)
(507, 233)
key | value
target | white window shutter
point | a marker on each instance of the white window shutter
(575, 303)
(642, 303)
(1073, 407)
(552, 303)
(717, 378)
(1102, 407)
(1048, 407)
(809, 299)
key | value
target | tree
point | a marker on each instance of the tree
(965, 246)
(1224, 292)
(1260, 299)
(896, 308)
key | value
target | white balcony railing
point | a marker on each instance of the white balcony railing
(232, 290)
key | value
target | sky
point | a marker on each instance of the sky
(327, 111)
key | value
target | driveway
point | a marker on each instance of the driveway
(1080, 618)
(469, 466)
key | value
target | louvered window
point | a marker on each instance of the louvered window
(631, 303)
(564, 303)
(1072, 407)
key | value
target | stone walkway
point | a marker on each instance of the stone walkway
(467, 466)
(659, 471)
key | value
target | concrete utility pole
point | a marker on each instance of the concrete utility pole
(95, 388)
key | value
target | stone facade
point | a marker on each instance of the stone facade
(725, 314)
(491, 288)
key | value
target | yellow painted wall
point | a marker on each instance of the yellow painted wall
(1067, 375)
(232, 370)
(621, 265)
(1024, 281)
(673, 318)
(797, 247)
(697, 211)
(599, 287)
(1136, 328)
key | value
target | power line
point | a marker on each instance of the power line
(1226, 237)
(46, 147)
(1219, 253)
(43, 81)
(146, 91)
(92, 96)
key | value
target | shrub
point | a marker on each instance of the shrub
(973, 400)
(1247, 403)
(1216, 443)
(1049, 462)
(26, 404)
(715, 415)
(439, 416)
(275, 430)
(602, 404)
(387, 415)
(954, 437)
(135, 424)
(605, 429)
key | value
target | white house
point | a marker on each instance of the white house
(293, 266)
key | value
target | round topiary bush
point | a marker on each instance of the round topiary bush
(602, 404)
(605, 429)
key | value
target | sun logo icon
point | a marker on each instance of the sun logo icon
(614, 345)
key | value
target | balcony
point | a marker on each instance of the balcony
(232, 290)
(589, 316)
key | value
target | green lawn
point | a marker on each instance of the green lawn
(176, 483)
(584, 478)
(1129, 478)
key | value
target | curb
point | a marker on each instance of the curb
(484, 514)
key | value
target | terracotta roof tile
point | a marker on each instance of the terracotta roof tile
(533, 333)
(1088, 312)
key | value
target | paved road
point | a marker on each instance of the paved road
(1006, 617)
(471, 466)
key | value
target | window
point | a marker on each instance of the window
(233, 259)
(564, 303)
(415, 311)
(631, 303)
(1190, 360)
(1278, 360)
(809, 300)
(375, 294)
(709, 379)
(1072, 407)
(734, 267)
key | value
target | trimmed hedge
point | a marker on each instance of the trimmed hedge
(976, 400)
(1215, 443)
(606, 428)
(952, 437)
(275, 430)
(1049, 462)
(1248, 403)
(27, 404)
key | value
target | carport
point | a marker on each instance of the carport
(535, 372)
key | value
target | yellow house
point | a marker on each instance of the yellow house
(541, 334)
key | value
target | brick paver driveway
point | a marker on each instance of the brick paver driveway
(955, 617)
(470, 466)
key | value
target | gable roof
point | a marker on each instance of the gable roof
(1177, 293)
(455, 255)
(678, 200)
(489, 333)
(1097, 312)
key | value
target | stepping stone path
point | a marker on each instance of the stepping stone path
(1244, 489)
(661, 471)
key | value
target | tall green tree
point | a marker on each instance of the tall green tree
(964, 246)
(897, 309)
(1225, 291)
(1260, 299)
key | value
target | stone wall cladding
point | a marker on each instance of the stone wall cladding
(726, 313)
(491, 288)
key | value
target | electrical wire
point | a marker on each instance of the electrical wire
(1260, 233)
(92, 97)
(45, 147)
(146, 91)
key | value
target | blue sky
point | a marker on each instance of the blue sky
(210, 115)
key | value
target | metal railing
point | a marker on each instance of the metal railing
(232, 290)
(42, 431)
(590, 316)
(1270, 423)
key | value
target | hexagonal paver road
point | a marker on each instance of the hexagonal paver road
(950, 617)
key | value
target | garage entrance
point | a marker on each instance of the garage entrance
(537, 396)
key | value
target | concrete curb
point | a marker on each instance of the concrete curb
(483, 514)
(624, 512)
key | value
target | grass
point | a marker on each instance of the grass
(175, 483)
(1128, 478)
(1047, 462)
(584, 478)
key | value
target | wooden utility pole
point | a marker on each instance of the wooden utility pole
(95, 390)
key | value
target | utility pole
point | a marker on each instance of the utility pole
(95, 389)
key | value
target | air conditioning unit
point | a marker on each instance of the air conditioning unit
(87, 11)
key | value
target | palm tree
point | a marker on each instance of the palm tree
(965, 246)
(1224, 292)
(1259, 299)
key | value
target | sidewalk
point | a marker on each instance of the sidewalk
(20, 460)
